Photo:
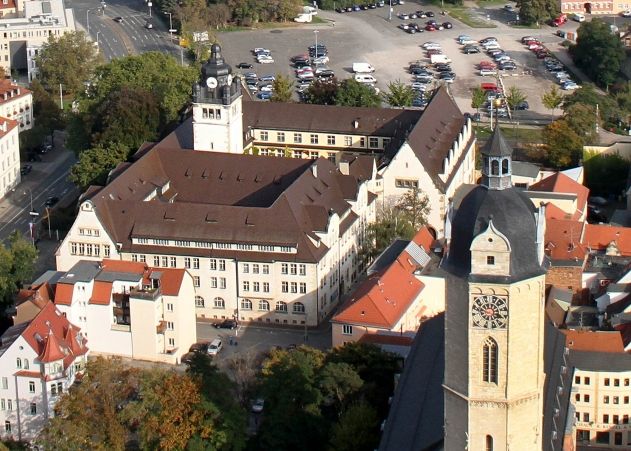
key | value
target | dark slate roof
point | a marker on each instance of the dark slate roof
(601, 361)
(554, 360)
(497, 146)
(513, 215)
(525, 169)
(619, 306)
(415, 422)
(388, 256)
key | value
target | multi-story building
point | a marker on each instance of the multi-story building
(16, 103)
(126, 308)
(401, 290)
(9, 155)
(265, 239)
(29, 27)
(39, 360)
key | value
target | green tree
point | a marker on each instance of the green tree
(582, 119)
(399, 94)
(23, 258)
(606, 174)
(353, 93)
(562, 143)
(552, 99)
(414, 207)
(68, 60)
(338, 381)
(514, 97)
(357, 429)
(322, 92)
(46, 111)
(598, 51)
(282, 89)
(96, 163)
(478, 98)
(536, 12)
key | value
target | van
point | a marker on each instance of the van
(439, 59)
(578, 17)
(365, 78)
(363, 68)
(215, 346)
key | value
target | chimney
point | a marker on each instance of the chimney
(345, 167)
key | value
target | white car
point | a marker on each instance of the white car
(431, 45)
(417, 86)
(214, 347)
(578, 17)
(403, 16)
(562, 74)
(267, 88)
(365, 78)
(265, 59)
(491, 46)
(626, 13)
(320, 60)
(487, 72)
(570, 86)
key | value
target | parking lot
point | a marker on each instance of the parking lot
(368, 36)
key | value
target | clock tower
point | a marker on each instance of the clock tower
(494, 320)
(217, 109)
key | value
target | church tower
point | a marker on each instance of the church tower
(494, 320)
(217, 108)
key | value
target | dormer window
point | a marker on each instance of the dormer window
(490, 260)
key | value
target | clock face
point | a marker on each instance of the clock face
(489, 312)
(211, 82)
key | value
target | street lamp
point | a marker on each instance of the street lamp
(97, 38)
(87, 14)
(171, 30)
(149, 4)
(316, 42)
(33, 214)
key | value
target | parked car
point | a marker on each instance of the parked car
(118, 19)
(467, 50)
(148, 25)
(265, 59)
(626, 13)
(522, 105)
(487, 72)
(26, 169)
(244, 66)
(264, 95)
(199, 347)
(447, 25)
(214, 347)
(578, 17)
(50, 201)
(430, 45)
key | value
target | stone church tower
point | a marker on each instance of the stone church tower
(217, 108)
(494, 323)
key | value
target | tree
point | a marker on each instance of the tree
(414, 206)
(282, 89)
(322, 92)
(23, 258)
(478, 98)
(535, 12)
(96, 163)
(357, 429)
(353, 93)
(514, 97)
(582, 119)
(552, 99)
(399, 94)
(68, 60)
(598, 51)
(606, 175)
(338, 381)
(562, 144)
(46, 112)
(608, 109)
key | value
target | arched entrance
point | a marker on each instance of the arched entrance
(588, 8)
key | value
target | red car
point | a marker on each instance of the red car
(430, 28)
(486, 65)
(559, 20)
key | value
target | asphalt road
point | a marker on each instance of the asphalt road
(130, 37)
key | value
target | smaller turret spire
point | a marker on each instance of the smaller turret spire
(497, 158)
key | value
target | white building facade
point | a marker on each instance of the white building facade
(9, 156)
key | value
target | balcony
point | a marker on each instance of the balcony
(147, 294)
(161, 327)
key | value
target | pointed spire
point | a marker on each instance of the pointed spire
(497, 146)
(497, 162)
(52, 351)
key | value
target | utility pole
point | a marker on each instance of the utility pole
(390, 11)
(61, 106)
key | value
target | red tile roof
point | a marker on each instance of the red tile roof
(424, 238)
(381, 299)
(563, 240)
(599, 236)
(9, 5)
(378, 339)
(101, 293)
(63, 293)
(39, 295)
(12, 90)
(6, 125)
(123, 266)
(554, 212)
(625, 332)
(171, 280)
(599, 341)
(561, 183)
(46, 335)
(29, 374)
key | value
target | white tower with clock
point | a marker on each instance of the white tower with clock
(494, 323)
(217, 108)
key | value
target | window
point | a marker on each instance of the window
(246, 304)
(169, 307)
(284, 268)
(31, 387)
(264, 136)
(285, 287)
(586, 417)
(587, 381)
(607, 382)
(222, 265)
(196, 263)
(33, 408)
(313, 138)
(3, 406)
(293, 269)
(255, 268)
(606, 419)
(171, 341)
(199, 302)
(616, 382)
(490, 260)
(9, 404)
(281, 307)
(170, 325)
(106, 250)
(222, 283)
(373, 143)
(348, 140)
(626, 382)
(299, 308)
(616, 400)
(347, 329)
(156, 260)
(264, 306)
(213, 282)
(330, 140)
(297, 138)
(265, 287)
(585, 398)
(246, 285)
(187, 262)
(303, 270)
(303, 287)
(7, 427)
(256, 287)
(213, 264)
(18, 362)
(362, 142)
(219, 303)
(626, 400)
(173, 262)
(246, 268)
(280, 137)
(606, 399)
(5, 383)
(26, 366)
(196, 281)
(489, 361)
(616, 418)
(294, 287)
(577, 379)
(165, 261)
(489, 443)
(265, 269)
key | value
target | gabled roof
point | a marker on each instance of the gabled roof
(52, 350)
(563, 241)
(599, 236)
(170, 280)
(63, 293)
(101, 293)
(561, 183)
(7, 87)
(594, 341)
(38, 294)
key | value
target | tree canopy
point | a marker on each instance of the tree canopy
(598, 52)
(69, 60)
(322, 92)
(95, 164)
(283, 88)
(399, 94)
(533, 12)
(353, 93)
(17, 263)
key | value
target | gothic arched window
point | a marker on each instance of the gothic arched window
(489, 359)
(495, 167)
(505, 170)
(489, 443)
